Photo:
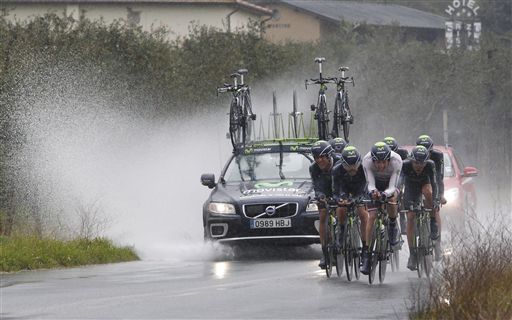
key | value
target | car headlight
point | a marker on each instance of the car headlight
(451, 195)
(220, 207)
(312, 207)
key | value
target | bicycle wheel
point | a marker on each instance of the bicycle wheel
(426, 246)
(349, 252)
(337, 121)
(323, 120)
(248, 118)
(357, 246)
(373, 254)
(329, 259)
(383, 256)
(235, 129)
(340, 252)
(346, 116)
(418, 248)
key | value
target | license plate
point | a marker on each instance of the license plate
(271, 223)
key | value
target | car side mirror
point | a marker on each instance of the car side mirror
(208, 179)
(470, 172)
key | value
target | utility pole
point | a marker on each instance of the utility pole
(445, 127)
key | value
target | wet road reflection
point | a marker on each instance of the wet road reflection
(261, 283)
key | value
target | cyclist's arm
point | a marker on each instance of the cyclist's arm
(338, 187)
(396, 163)
(433, 182)
(370, 178)
(317, 185)
(440, 172)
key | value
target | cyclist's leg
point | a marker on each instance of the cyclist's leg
(435, 230)
(412, 194)
(372, 215)
(392, 209)
(411, 221)
(341, 212)
(363, 216)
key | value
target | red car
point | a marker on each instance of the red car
(459, 187)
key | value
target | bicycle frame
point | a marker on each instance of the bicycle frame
(240, 112)
(422, 243)
(342, 115)
(379, 246)
(321, 110)
(351, 245)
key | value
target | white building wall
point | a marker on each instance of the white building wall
(177, 18)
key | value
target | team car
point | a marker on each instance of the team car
(264, 194)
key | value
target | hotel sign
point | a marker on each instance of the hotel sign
(463, 28)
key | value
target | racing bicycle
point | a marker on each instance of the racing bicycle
(423, 244)
(332, 240)
(241, 116)
(321, 111)
(342, 116)
(351, 244)
(379, 249)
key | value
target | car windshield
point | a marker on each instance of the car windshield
(449, 171)
(268, 166)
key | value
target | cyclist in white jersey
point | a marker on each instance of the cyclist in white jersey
(382, 169)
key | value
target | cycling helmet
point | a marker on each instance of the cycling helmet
(381, 151)
(321, 148)
(338, 144)
(420, 154)
(391, 142)
(350, 156)
(425, 141)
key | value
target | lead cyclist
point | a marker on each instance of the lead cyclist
(382, 169)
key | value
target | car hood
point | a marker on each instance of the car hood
(248, 191)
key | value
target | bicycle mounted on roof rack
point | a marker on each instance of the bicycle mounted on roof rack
(342, 114)
(321, 110)
(241, 116)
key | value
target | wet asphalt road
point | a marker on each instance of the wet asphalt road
(263, 287)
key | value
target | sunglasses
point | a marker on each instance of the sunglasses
(320, 157)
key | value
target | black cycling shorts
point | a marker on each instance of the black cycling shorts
(412, 191)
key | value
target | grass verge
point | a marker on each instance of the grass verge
(476, 281)
(28, 253)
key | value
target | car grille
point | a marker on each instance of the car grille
(282, 210)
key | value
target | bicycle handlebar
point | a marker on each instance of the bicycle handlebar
(319, 81)
(230, 88)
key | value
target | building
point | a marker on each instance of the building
(177, 16)
(285, 20)
(310, 20)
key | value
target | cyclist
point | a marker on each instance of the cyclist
(349, 181)
(382, 169)
(393, 145)
(420, 180)
(438, 158)
(321, 177)
(404, 154)
(338, 144)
